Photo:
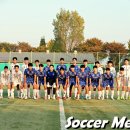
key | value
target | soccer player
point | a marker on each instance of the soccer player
(14, 62)
(112, 69)
(72, 82)
(50, 81)
(61, 65)
(40, 81)
(62, 81)
(108, 83)
(36, 65)
(121, 83)
(82, 82)
(5, 81)
(100, 70)
(87, 68)
(76, 67)
(30, 79)
(17, 78)
(126, 67)
(95, 82)
(46, 68)
(25, 66)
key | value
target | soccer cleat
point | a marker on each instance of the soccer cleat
(1, 97)
(34, 98)
(25, 97)
(112, 98)
(106, 97)
(64, 98)
(122, 98)
(98, 98)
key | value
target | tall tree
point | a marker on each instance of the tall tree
(24, 46)
(68, 29)
(42, 42)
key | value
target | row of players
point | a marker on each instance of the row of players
(82, 79)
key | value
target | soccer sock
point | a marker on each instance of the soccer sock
(1, 92)
(90, 94)
(99, 94)
(18, 93)
(57, 92)
(8, 91)
(12, 93)
(68, 92)
(123, 94)
(86, 96)
(25, 93)
(34, 93)
(103, 94)
(118, 93)
(107, 92)
(127, 95)
(78, 96)
(75, 92)
(112, 93)
(45, 94)
(64, 93)
(21, 93)
(37, 93)
(28, 92)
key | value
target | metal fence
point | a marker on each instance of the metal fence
(117, 58)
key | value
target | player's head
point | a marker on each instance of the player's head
(126, 61)
(37, 62)
(72, 68)
(6, 68)
(97, 63)
(74, 60)
(16, 67)
(51, 67)
(85, 62)
(110, 63)
(82, 67)
(61, 60)
(48, 61)
(26, 60)
(30, 66)
(62, 70)
(95, 68)
(107, 70)
(41, 67)
(121, 70)
(14, 59)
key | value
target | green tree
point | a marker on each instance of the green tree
(42, 42)
(68, 29)
(129, 45)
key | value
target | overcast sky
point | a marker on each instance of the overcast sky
(29, 20)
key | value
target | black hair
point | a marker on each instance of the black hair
(14, 58)
(107, 69)
(30, 64)
(6, 67)
(121, 69)
(85, 60)
(41, 65)
(94, 66)
(74, 59)
(48, 60)
(72, 66)
(16, 66)
(126, 59)
(110, 62)
(61, 59)
(26, 58)
(52, 66)
(82, 66)
(62, 68)
(36, 61)
(97, 62)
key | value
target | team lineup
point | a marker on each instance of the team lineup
(84, 81)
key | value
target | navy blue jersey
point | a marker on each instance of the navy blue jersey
(61, 66)
(82, 76)
(72, 76)
(30, 75)
(46, 68)
(76, 68)
(51, 77)
(87, 69)
(108, 78)
(40, 75)
(95, 77)
(62, 78)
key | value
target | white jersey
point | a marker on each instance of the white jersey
(121, 79)
(5, 77)
(100, 70)
(24, 66)
(17, 77)
(113, 71)
(127, 70)
(12, 66)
